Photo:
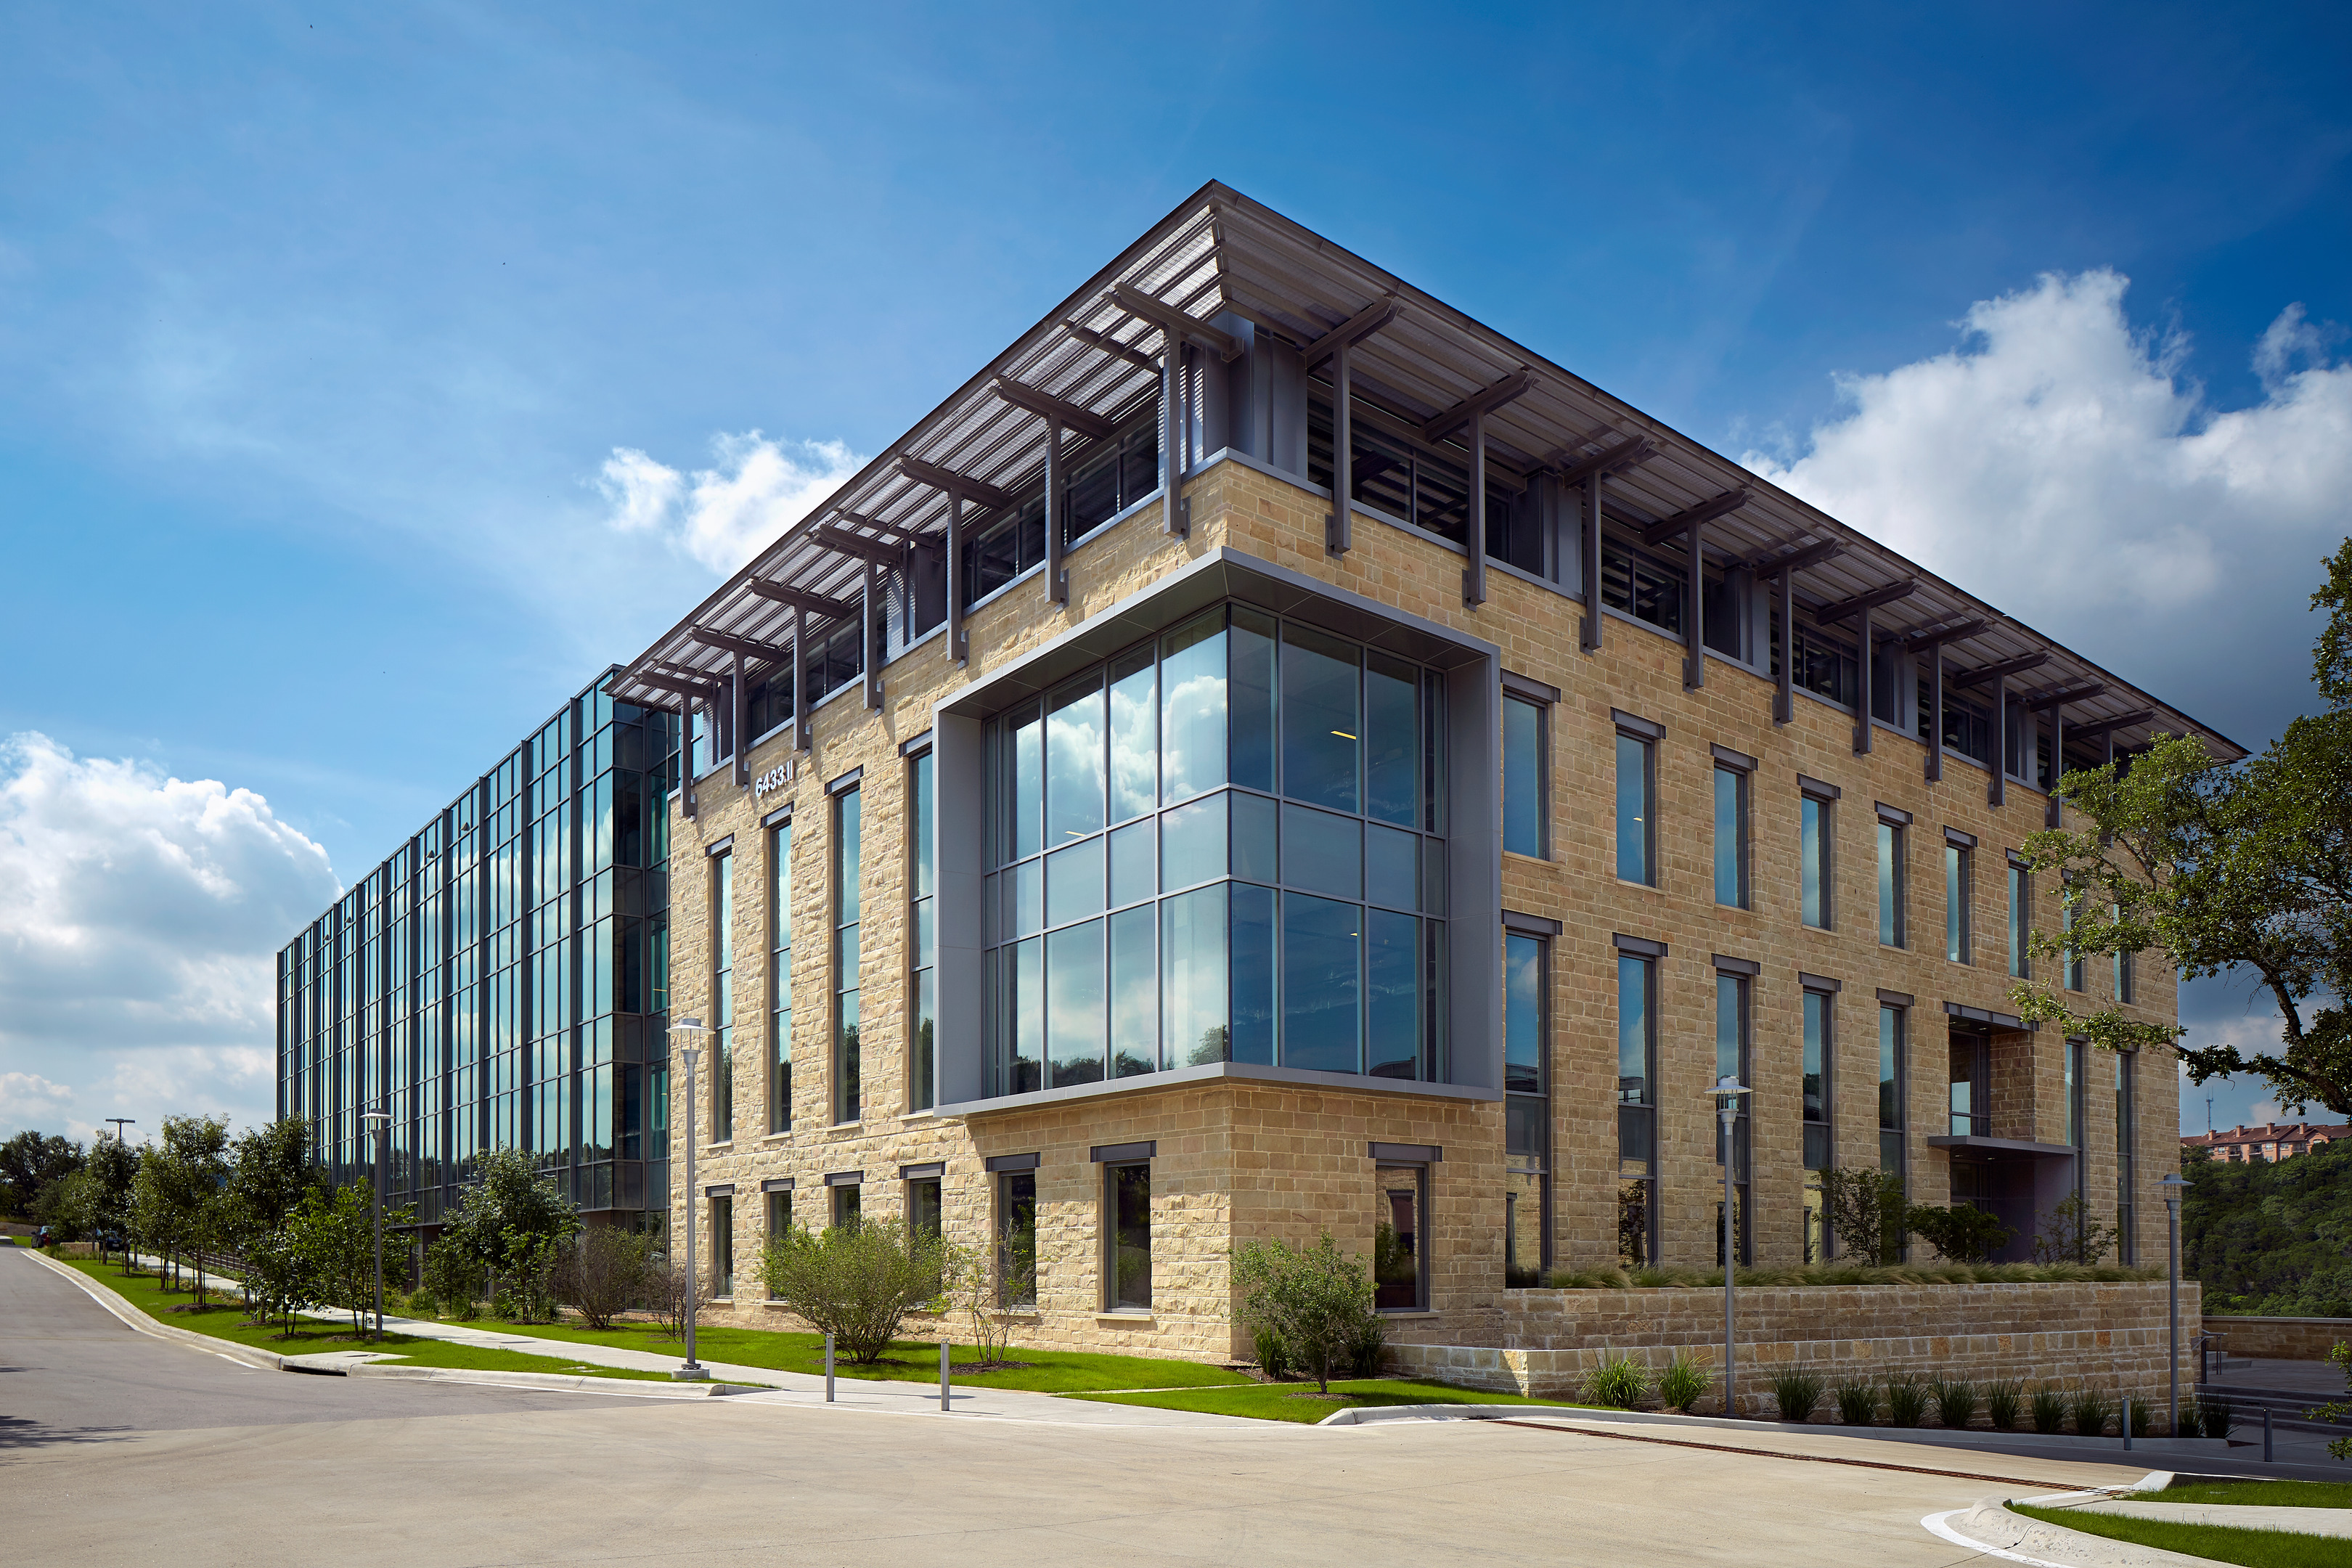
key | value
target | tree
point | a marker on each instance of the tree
(603, 1272)
(30, 1162)
(1316, 1300)
(512, 1208)
(2069, 1233)
(2273, 1239)
(69, 1206)
(2225, 868)
(174, 1200)
(976, 1284)
(334, 1242)
(1865, 1208)
(114, 1172)
(1960, 1233)
(857, 1282)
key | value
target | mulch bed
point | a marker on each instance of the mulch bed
(991, 1365)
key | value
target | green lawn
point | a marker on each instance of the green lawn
(222, 1319)
(1284, 1401)
(2222, 1544)
(2256, 1494)
(907, 1361)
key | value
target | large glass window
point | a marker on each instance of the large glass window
(848, 1204)
(2020, 920)
(780, 1218)
(1525, 808)
(722, 998)
(1016, 1237)
(922, 1025)
(1971, 1077)
(1222, 845)
(1399, 1224)
(2075, 1050)
(1892, 846)
(1731, 836)
(1813, 860)
(722, 1247)
(2123, 963)
(923, 1208)
(1637, 788)
(2067, 899)
(1893, 1156)
(1637, 1111)
(780, 977)
(1957, 867)
(848, 808)
(1818, 1143)
(1733, 1058)
(1129, 1262)
(1527, 1169)
(2126, 1161)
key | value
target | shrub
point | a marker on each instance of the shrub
(421, 1303)
(2091, 1411)
(1906, 1400)
(974, 1288)
(1618, 1382)
(1865, 1209)
(2142, 1419)
(1963, 1234)
(857, 1282)
(1857, 1401)
(673, 1290)
(2049, 1410)
(1683, 1381)
(453, 1276)
(2001, 1400)
(1798, 1393)
(1316, 1299)
(1955, 1403)
(1369, 1346)
(2069, 1234)
(1271, 1359)
(603, 1271)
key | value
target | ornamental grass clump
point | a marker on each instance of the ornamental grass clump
(1955, 1402)
(2142, 1419)
(1683, 1382)
(2001, 1400)
(2211, 1416)
(2049, 1410)
(1906, 1400)
(1618, 1382)
(1798, 1393)
(2092, 1413)
(1857, 1401)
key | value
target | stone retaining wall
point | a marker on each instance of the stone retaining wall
(2282, 1339)
(2110, 1336)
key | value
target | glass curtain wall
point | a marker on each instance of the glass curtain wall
(1637, 1111)
(1222, 845)
(1526, 1083)
(1733, 1056)
(1818, 1144)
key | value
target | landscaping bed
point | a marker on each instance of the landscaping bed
(2219, 1543)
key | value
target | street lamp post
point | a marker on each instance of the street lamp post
(376, 1122)
(1725, 1093)
(2174, 1186)
(692, 1372)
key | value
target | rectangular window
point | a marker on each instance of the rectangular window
(1222, 846)
(2021, 922)
(1526, 804)
(1637, 1112)
(923, 922)
(2075, 1050)
(1526, 1168)
(847, 830)
(1127, 1198)
(2068, 898)
(1813, 860)
(1636, 809)
(1731, 836)
(1733, 1059)
(1893, 1156)
(2123, 964)
(779, 978)
(1818, 1062)
(722, 1247)
(1957, 867)
(923, 1211)
(1892, 846)
(847, 1207)
(1971, 1076)
(1016, 1237)
(2126, 1160)
(722, 998)
(779, 1220)
(1400, 1264)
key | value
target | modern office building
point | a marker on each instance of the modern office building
(1102, 844)
(498, 981)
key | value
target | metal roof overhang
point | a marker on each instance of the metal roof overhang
(1219, 251)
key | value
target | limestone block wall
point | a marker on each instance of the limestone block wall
(2285, 1339)
(2103, 1336)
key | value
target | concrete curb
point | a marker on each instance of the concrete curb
(1988, 1527)
(1362, 1415)
(140, 1322)
(2050, 1445)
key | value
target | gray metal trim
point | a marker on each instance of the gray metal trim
(1731, 965)
(2001, 1145)
(1959, 839)
(845, 1178)
(1648, 729)
(1247, 1072)
(845, 782)
(2019, 861)
(1817, 788)
(777, 1184)
(1534, 691)
(1640, 944)
(1895, 998)
(995, 1162)
(925, 1172)
(1123, 1153)
(1819, 983)
(1740, 760)
(1894, 814)
(719, 1190)
(777, 818)
(1406, 1153)
(720, 846)
(1979, 1015)
(921, 742)
(1530, 925)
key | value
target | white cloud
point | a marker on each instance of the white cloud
(729, 511)
(2060, 464)
(136, 939)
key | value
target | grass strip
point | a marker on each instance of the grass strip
(907, 1361)
(221, 1319)
(1297, 1401)
(2255, 1494)
(2220, 1543)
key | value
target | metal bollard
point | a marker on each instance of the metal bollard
(2127, 1423)
(2266, 1434)
(828, 1369)
(943, 1374)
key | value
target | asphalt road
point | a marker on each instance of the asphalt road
(122, 1448)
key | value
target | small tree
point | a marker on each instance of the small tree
(1865, 1206)
(114, 1171)
(1961, 1233)
(335, 1236)
(677, 1289)
(603, 1271)
(857, 1282)
(278, 1276)
(975, 1286)
(1317, 1301)
(511, 1209)
(453, 1276)
(2069, 1233)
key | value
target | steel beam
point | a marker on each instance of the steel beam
(1116, 349)
(2099, 727)
(1479, 402)
(1796, 560)
(1474, 576)
(1862, 734)
(1590, 636)
(1172, 521)
(1920, 638)
(802, 599)
(1936, 713)
(1784, 699)
(1694, 613)
(870, 644)
(799, 683)
(1175, 322)
(1629, 453)
(739, 722)
(874, 551)
(948, 479)
(727, 642)
(2038, 700)
(1339, 523)
(1054, 410)
(1363, 324)
(1665, 528)
(1862, 604)
(2000, 671)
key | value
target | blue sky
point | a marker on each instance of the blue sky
(322, 330)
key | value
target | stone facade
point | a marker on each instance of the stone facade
(1240, 1161)
(2282, 1339)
